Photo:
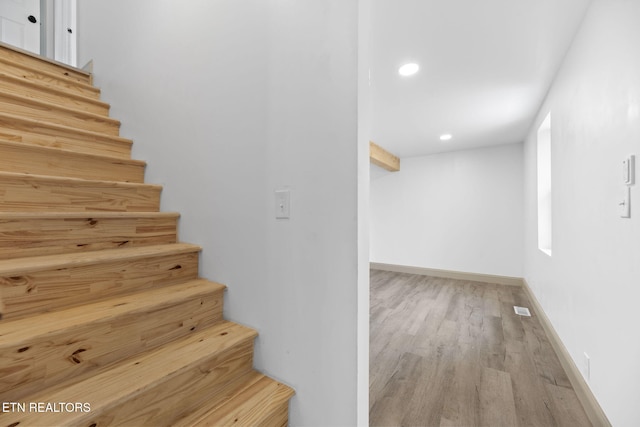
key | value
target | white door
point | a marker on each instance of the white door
(20, 23)
(64, 45)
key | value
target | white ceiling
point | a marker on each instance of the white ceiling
(485, 67)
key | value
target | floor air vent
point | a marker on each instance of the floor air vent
(521, 311)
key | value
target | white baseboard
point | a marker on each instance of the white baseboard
(448, 274)
(591, 406)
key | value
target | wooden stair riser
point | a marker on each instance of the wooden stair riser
(265, 405)
(40, 64)
(180, 395)
(279, 416)
(21, 158)
(253, 400)
(34, 132)
(26, 193)
(22, 236)
(73, 352)
(51, 113)
(57, 288)
(47, 78)
(157, 388)
(34, 90)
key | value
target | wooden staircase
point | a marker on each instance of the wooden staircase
(105, 320)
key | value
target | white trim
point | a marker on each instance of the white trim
(591, 406)
(448, 274)
(65, 44)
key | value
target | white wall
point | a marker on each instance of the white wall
(228, 101)
(459, 211)
(590, 287)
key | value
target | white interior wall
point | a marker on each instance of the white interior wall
(228, 101)
(459, 211)
(589, 287)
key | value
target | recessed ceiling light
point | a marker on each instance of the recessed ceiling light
(409, 69)
(445, 137)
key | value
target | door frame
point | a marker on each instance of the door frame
(56, 42)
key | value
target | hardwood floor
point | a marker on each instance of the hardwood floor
(453, 353)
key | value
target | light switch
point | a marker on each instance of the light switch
(625, 203)
(628, 170)
(283, 204)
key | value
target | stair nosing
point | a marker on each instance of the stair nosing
(32, 264)
(49, 149)
(67, 110)
(78, 181)
(37, 85)
(72, 130)
(85, 214)
(14, 332)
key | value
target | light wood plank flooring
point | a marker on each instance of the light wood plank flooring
(448, 353)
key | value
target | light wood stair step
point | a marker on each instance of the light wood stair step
(29, 131)
(25, 234)
(23, 158)
(41, 193)
(48, 78)
(47, 283)
(44, 111)
(53, 94)
(40, 352)
(41, 64)
(254, 401)
(155, 388)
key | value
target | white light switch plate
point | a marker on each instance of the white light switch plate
(625, 202)
(629, 170)
(283, 204)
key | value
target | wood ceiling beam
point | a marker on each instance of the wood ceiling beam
(381, 157)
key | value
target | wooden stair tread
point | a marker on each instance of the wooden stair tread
(17, 157)
(62, 129)
(43, 64)
(253, 401)
(54, 150)
(24, 234)
(56, 126)
(124, 382)
(21, 331)
(53, 106)
(48, 78)
(45, 283)
(56, 349)
(48, 112)
(63, 180)
(20, 192)
(21, 266)
(87, 214)
(59, 93)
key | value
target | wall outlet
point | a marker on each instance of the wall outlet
(586, 368)
(283, 204)
(624, 205)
